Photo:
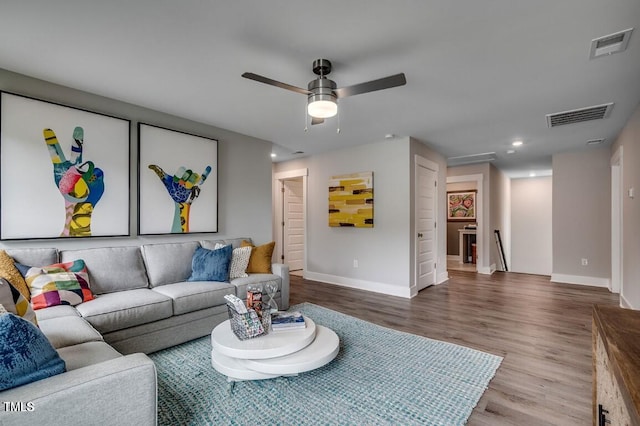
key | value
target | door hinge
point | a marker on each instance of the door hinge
(282, 257)
(435, 265)
(435, 224)
(283, 223)
(435, 183)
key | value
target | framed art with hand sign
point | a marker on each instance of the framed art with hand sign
(64, 171)
(178, 182)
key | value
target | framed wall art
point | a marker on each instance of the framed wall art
(461, 206)
(351, 200)
(178, 182)
(64, 171)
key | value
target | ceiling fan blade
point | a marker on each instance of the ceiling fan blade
(372, 86)
(315, 120)
(265, 80)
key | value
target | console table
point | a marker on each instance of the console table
(616, 366)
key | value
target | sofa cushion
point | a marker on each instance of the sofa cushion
(114, 311)
(85, 354)
(57, 312)
(27, 355)
(69, 331)
(193, 296)
(15, 302)
(260, 260)
(111, 268)
(59, 284)
(168, 263)
(34, 256)
(210, 265)
(9, 272)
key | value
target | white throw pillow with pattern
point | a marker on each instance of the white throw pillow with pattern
(239, 261)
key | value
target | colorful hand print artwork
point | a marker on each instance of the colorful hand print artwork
(183, 188)
(182, 202)
(81, 184)
(64, 171)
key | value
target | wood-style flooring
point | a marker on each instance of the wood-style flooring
(542, 329)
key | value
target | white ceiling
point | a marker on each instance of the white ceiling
(480, 74)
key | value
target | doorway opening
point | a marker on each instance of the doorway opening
(290, 232)
(465, 241)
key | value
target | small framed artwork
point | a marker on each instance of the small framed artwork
(351, 200)
(64, 171)
(178, 182)
(461, 206)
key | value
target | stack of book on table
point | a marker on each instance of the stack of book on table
(284, 321)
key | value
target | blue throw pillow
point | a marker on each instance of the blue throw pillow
(23, 269)
(211, 265)
(25, 353)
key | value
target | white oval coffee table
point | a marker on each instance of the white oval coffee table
(286, 353)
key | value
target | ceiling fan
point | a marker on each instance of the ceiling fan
(323, 94)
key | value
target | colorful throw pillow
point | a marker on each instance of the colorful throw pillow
(260, 260)
(210, 265)
(9, 271)
(15, 303)
(239, 261)
(59, 284)
(26, 353)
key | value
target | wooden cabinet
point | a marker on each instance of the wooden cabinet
(616, 366)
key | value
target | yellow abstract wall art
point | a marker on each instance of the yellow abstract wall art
(351, 200)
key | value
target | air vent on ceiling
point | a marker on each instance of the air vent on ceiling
(577, 115)
(612, 43)
(592, 142)
(471, 159)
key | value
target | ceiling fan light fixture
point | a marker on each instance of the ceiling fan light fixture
(322, 106)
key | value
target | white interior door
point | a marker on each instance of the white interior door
(293, 224)
(425, 226)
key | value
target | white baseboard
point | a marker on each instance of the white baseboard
(580, 280)
(486, 270)
(442, 277)
(390, 289)
(454, 257)
(624, 303)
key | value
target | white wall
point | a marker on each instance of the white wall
(244, 174)
(582, 217)
(629, 139)
(531, 230)
(384, 251)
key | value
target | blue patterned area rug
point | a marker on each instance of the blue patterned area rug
(380, 377)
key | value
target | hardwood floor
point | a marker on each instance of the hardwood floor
(542, 329)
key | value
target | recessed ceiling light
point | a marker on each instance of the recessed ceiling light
(389, 136)
(517, 143)
(532, 174)
(273, 155)
(511, 151)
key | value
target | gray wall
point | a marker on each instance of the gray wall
(582, 217)
(531, 240)
(629, 140)
(384, 252)
(244, 175)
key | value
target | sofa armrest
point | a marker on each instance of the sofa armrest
(282, 270)
(114, 392)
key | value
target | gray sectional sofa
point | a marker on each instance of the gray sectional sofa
(142, 304)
